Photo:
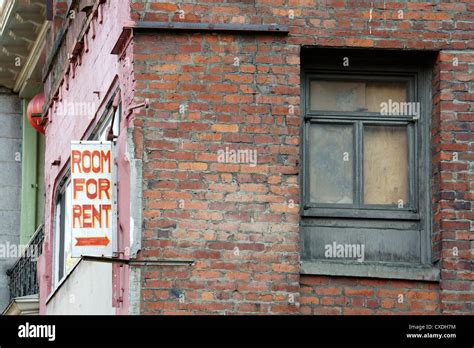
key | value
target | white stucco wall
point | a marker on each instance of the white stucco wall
(87, 291)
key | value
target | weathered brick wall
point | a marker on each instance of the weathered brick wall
(359, 296)
(456, 169)
(234, 219)
(198, 208)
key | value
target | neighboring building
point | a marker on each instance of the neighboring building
(296, 156)
(10, 187)
(81, 79)
(22, 30)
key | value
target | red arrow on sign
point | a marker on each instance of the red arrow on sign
(93, 241)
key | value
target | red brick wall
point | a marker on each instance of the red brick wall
(359, 296)
(198, 208)
(456, 180)
(234, 219)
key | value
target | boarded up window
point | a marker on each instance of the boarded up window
(366, 165)
(355, 96)
(385, 165)
(331, 163)
(377, 173)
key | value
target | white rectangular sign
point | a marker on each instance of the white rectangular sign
(93, 208)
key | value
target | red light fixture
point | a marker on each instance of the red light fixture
(34, 112)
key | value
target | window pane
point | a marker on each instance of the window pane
(356, 96)
(63, 242)
(69, 261)
(331, 163)
(57, 234)
(386, 165)
(384, 95)
(62, 222)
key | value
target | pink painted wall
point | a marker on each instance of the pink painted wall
(100, 71)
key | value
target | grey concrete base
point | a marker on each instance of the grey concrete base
(370, 270)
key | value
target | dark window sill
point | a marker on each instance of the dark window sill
(370, 270)
(364, 214)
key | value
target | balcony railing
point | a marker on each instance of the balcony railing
(23, 274)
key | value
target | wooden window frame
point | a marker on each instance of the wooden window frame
(419, 148)
(100, 130)
(60, 270)
(359, 119)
